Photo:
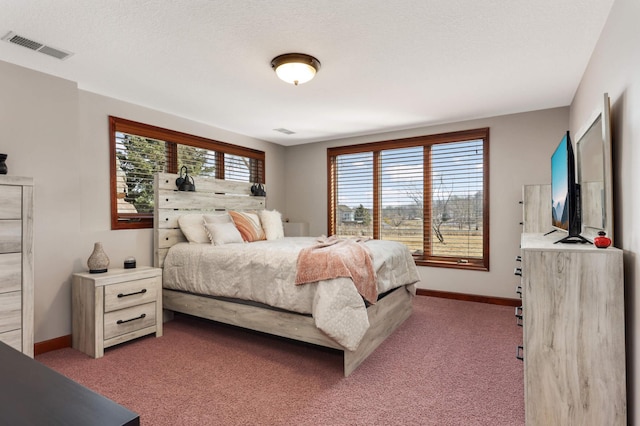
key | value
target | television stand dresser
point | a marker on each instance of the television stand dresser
(573, 331)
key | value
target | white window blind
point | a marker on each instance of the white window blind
(355, 195)
(401, 193)
(456, 209)
(429, 193)
(199, 161)
(238, 168)
(139, 151)
(137, 159)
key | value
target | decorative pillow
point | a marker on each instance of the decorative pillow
(223, 233)
(217, 218)
(192, 226)
(272, 224)
(249, 226)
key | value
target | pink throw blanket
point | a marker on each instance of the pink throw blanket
(332, 258)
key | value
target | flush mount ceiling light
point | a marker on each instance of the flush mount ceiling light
(295, 68)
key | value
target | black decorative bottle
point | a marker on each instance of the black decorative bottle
(3, 165)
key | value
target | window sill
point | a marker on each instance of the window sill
(453, 264)
(133, 223)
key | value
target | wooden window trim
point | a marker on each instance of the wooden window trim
(426, 141)
(173, 137)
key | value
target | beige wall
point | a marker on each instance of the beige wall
(615, 68)
(39, 132)
(520, 150)
(58, 135)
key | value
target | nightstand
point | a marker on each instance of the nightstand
(115, 307)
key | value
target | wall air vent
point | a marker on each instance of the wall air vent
(14, 38)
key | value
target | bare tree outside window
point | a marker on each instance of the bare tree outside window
(390, 181)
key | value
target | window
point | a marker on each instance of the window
(140, 150)
(430, 193)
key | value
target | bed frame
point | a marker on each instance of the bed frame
(219, 195)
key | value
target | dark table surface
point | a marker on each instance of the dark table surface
(33, 394)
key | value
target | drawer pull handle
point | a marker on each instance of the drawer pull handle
(520, 353)
(132, 319)
(143, 291)
(519, 291)
(517, 271)
(519, 315)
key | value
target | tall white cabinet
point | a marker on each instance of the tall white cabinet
(16, 263)
(573, 331)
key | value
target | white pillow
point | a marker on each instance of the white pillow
(223, 233)
(217, 218)
(192, 226)
(272, 224)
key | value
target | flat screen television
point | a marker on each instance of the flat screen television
(565, 193)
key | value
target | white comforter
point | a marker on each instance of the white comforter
(265, 272)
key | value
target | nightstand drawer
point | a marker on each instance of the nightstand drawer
(129, 319)
(130, 293)
(10, 311)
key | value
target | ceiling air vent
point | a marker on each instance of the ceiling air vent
(34, 45)
(285, 131)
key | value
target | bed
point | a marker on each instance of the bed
(187, 292)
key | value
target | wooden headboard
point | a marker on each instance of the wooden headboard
(211, 195)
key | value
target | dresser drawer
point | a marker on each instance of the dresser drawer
(10, 311)
(130, 293)
(127, 320)
(10, 272)
(10, 202)
(10, 236)
(12, 338)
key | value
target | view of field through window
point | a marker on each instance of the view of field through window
(455, 215)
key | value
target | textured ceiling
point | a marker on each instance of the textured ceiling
(386, 65)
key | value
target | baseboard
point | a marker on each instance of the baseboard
(52, 345)
(470, 297)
